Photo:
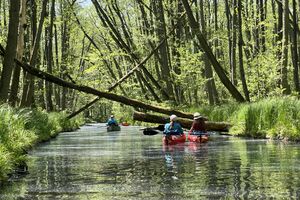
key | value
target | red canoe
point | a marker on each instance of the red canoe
(125, 124)
(198, 138)
(174, 139)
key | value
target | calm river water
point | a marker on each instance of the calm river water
(93, 164)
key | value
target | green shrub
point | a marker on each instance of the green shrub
(5, 162)
(20, 129)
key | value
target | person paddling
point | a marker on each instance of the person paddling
(173, 132)
(198, 129)
(173, 128)
(112, 121)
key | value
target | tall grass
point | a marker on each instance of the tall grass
(277, 118)
(20, 129)
(218, 113)
(272, 118)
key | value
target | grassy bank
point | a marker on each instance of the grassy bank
(20, 129)
(277, 118)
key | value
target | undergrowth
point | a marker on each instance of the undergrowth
(20, 129)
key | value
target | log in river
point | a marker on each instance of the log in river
(185, 123)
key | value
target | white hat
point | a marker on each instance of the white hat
(173, 117)
(112, 116)
(197, 115)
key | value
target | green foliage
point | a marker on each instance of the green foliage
(38, 121)
(20, 129)
(218, 113)
(5, 162)
(60, 121)
(122, 113)
(272, 118)
(276, 118)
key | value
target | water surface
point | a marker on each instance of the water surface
(94, 164)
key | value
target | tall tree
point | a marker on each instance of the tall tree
(28, 88)
(57, 89)
(284, 58)
(295, 48)
(233, 46)
(20, 49)
(65, 36)
(49, 55)
(203, 43)
(229, 17)
(164, 52)
(240, 50)
(210, 83)
(11, 49)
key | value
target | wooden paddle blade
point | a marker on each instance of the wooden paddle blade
(150, 131)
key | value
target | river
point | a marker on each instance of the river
(92, 163)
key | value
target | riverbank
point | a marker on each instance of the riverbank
(275, 118)
(21, 129)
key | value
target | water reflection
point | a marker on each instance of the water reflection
(93, 164)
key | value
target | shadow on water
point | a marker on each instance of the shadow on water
(94, 164)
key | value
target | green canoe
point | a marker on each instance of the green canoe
(113, 128)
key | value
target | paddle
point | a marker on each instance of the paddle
(153, 130)
(150, 131)
(160, 127)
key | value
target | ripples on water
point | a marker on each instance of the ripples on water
(93, 164)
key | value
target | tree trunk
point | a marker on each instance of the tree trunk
(284, 58)
(56, 88)
(275, 23)
(124, 26)
(185, 123)
(20, 49)
(148, 29)
(228, 16)
(164, 55)
(279, 30)
(262, 26)
(28, 89)
(177, 37)
(64, 53)
(210, 83)
(295, 49)
(256, 30)
(114, 97)
(240, 48)
(49, 40)
(233, 46)
(216, 27)
(219, 70)
(11, 49)
(4, 13)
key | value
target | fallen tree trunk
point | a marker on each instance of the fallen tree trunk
(124, 77)
(114, 97)
(185, 123)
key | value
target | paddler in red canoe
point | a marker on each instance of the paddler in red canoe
(198, 132)
(173, 132)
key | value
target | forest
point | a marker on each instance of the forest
(233, 61)
(177, 53)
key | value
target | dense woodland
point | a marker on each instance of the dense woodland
(173, 52)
